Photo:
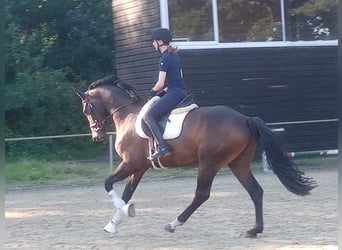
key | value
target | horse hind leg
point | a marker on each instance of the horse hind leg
(255, 191)
(241, 169)
(204, 183)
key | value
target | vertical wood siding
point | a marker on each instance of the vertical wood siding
(136, 60)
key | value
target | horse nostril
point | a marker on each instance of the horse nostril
(98, 138)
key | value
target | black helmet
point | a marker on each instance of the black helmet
(162, 34)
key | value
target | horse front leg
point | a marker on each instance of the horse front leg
(204, 182)
(122, 207)
(132, 184)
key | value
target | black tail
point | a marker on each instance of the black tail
(287, 172)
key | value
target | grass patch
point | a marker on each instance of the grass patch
(315, 161)
(37, 172)
(34, 172)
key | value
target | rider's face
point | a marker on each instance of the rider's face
(156, 44)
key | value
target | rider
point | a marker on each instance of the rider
(169, 85)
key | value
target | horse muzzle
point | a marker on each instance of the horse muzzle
(97, 137)
(97, 132)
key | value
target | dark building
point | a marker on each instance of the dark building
(279, 64)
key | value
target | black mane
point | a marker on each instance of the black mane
(115, 81)
(109, 80)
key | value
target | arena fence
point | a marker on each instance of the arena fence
(110, 136)
(264, 159)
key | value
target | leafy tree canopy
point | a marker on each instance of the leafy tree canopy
(52, 46)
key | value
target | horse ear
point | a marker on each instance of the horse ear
(80, 94)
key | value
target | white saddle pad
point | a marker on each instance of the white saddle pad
(173, 125)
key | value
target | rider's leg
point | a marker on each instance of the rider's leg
(166, 103)
(163, 148)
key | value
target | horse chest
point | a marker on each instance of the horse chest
(122, 143)
(118, 144)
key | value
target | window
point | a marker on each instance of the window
(191, 20)
(241, 23)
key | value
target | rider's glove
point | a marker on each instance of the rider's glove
(152, 93)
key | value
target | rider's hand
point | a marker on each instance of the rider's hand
(161, 93)
(152, 93)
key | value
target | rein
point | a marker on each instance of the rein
(96, 125)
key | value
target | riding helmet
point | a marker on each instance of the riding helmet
(162, 34)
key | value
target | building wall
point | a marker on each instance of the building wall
(136, 60)
(296, 85)
(285, 84)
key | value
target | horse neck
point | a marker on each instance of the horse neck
(124, 110)
(124, 119)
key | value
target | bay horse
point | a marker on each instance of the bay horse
(211, 138)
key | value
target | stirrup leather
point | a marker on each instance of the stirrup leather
(152, 148)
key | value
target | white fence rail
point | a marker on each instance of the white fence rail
(110, 135)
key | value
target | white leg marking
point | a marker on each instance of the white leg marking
(171, 227)
(118, 202)
(121, 209)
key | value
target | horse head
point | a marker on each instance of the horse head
(103, 98)
(96, 114)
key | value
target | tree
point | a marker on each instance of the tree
(53, 46)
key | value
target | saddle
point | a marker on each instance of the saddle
(171, 123)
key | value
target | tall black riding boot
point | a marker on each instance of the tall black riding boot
(163, 148)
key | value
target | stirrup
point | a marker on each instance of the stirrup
(162, 152)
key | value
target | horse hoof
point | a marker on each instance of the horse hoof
(110, 228)
(249, 235)
(252, 233)
(169, 228)
(128, 210)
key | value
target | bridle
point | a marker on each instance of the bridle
(96, 125)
